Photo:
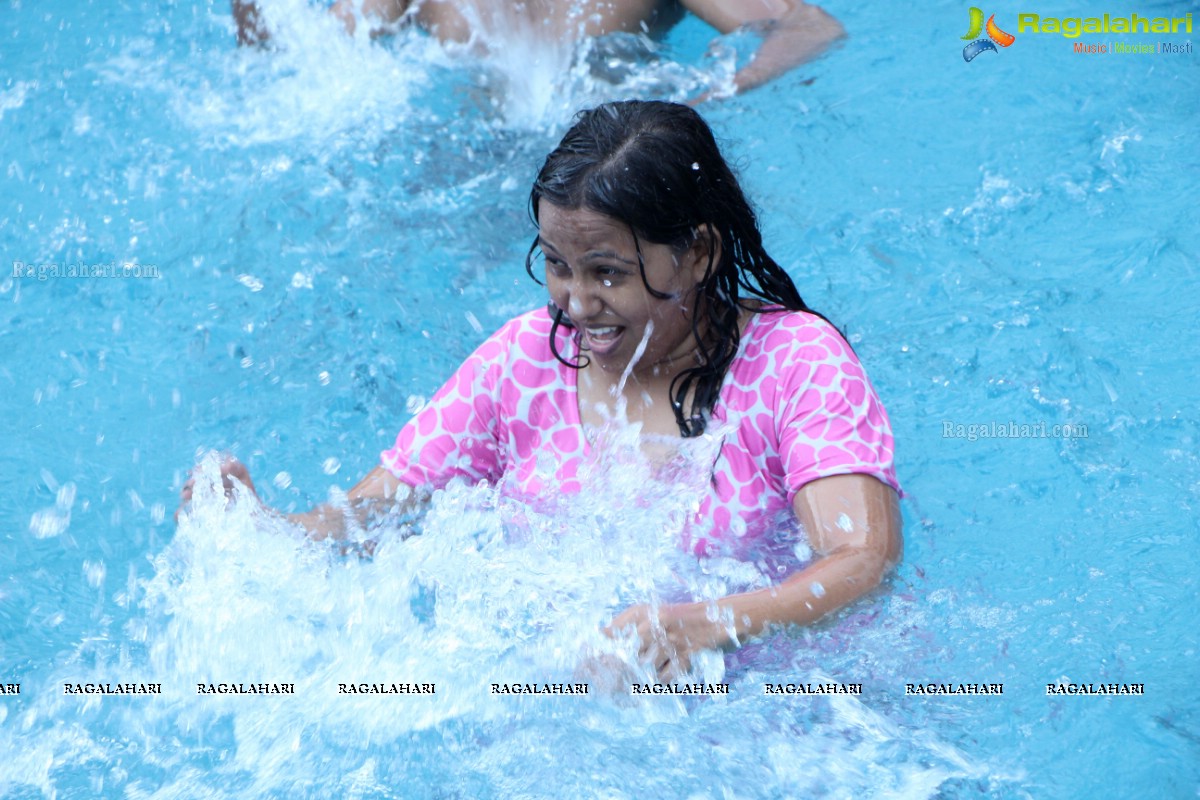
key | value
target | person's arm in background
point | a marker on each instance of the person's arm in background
(252, 29)
(854, 528)
(793, 32)
(385, 11)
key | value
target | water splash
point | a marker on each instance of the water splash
(490, 591)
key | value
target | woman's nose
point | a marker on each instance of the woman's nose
(582, 302)
(575, 307)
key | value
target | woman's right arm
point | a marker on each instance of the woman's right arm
(454, 435)
(378, 492)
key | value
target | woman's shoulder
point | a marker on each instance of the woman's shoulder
(771, 329)
(524, 338)
(536, 322)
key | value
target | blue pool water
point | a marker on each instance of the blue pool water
(335, 225)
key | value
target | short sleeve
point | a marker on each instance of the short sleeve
(457, 434)
(830, 420)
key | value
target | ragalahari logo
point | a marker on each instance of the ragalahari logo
(994, 34)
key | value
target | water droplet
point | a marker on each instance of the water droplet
(94, 572)
(331, 465)
(817, 589)
(250, 282)
(66, 497)
(48, 523)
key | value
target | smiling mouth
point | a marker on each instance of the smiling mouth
(601, 340)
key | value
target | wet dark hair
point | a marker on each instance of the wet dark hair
(656, 167)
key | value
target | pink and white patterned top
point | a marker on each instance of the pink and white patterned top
(795, 406)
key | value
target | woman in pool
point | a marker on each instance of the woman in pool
(667, 311)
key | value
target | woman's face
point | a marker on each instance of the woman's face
(592, 274)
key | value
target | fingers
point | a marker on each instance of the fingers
(185, 496)
(665, 641)
(231, 468)
(667, 653)
(669, 662)
(629, 618)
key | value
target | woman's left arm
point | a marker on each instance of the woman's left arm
(854, 528)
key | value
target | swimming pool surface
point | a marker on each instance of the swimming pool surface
(324, 232)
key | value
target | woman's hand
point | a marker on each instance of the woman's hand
(854, 527)
(670, 635)
(231, 468)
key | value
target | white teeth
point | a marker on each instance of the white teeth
(601, 331)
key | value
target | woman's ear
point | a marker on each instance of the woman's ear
(704, 253)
